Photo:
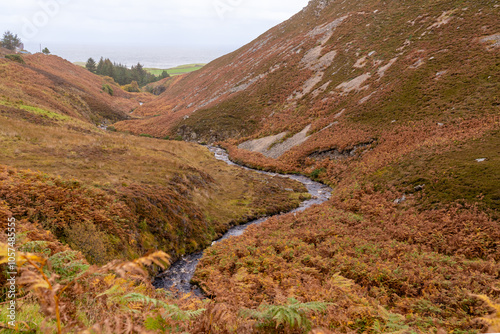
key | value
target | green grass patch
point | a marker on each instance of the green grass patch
(46, 113)
(29, 317)
(300, 196)
(37, 111)
(183, 69)
(317, 172)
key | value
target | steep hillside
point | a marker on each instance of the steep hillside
(348, 83)
(395, 104)
(113, 195)
(374, 61)
(48, 85)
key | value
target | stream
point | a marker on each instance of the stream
(179, 275)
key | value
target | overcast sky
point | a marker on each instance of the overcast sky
(228, 23)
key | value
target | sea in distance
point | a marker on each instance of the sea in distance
(149, 57)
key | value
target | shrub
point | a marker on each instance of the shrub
(107, 89)
(16, 58)
(133, 87)
(315, 173)
(123, 284)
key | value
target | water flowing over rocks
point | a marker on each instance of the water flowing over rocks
(179, 275)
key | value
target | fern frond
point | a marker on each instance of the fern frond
(489, 302)
(114, 290)
(38, 246)
(116, 295)
(168, 311)
(392, 323)
(293, 314)
(67, 265)
(341, 282)
(175, 313)
(33, 281)
(214, 314)
(494, 320)
(155, 323)
(143, 299)
(254, 314)
(159, 258)
(118, 324)
(137, 269)
(307, 307)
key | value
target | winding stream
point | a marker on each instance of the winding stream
(179, 275)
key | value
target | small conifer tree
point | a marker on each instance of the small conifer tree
(91, 65)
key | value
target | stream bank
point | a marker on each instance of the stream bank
(179, 275)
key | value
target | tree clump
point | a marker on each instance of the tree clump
(122, 74)
(10, 41)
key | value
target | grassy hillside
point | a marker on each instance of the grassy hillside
(171, 195)
(402, 104)
(162, 186)
(413, 80)
(49, 84)
(417, 54)
(82, 195)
